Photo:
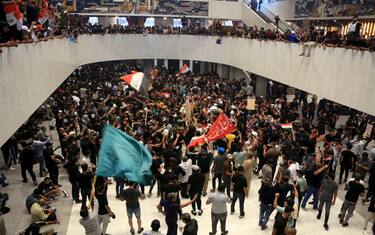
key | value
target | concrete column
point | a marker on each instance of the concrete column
(166, 63)
(181, 63)
(220, 70)
(261, 86)
(147, 66)
(225, 71)
(191, 65)
(202, 66)
(155, 62)
(140, 62)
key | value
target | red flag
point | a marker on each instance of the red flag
(13, 13)
(43, 12)
(198, 140)
(222, 126)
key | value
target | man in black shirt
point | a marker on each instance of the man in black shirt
(355, 190)
(156, 172)
(195, 187)
(314, 180)
(281, 221)
(204, 163)
(346, 162)
(104, 211)
(85, 183)
(51, 161)
(132, 195)
(27, 161)
(283, 188)
(191, 225)
(266, 197)
(239, 185)
(174, 170)
(73, 172)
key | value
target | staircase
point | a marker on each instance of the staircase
(270, 17)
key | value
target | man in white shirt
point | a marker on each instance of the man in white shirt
(219, 209)
(89, 222)
(155, 226)
(293, 167)
(186, 165)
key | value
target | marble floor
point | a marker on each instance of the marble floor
(68, 212)
(307, 223)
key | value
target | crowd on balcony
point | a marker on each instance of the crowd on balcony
(287, 159)
(31, 22)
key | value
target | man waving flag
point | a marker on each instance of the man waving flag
(135, 79)
(122, 156)
(184, 69)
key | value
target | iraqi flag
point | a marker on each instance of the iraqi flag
(134, 79)
(287, 126)
(183, 70)
(43, 12)
(13, 13)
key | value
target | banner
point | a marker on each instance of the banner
(310, 8)
(133, 7)
(222, 126)
(189, 108)
(250, 104)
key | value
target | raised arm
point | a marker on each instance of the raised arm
(182, 205)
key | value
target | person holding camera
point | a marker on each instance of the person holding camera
(131, 195)
(104, 211)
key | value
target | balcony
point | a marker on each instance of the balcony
(30, 73)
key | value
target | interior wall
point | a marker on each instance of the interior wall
(341, 75)
(225, 10)
(285, 9)
(250, 18)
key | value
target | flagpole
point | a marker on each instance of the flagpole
(146, 110)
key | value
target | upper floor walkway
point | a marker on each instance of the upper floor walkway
(30, 73)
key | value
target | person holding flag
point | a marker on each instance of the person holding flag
(184, 70)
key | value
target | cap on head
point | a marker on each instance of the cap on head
(221, 150)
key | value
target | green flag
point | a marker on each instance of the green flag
(122, 156)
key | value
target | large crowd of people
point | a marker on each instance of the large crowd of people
(294, 162)
(60, 24)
